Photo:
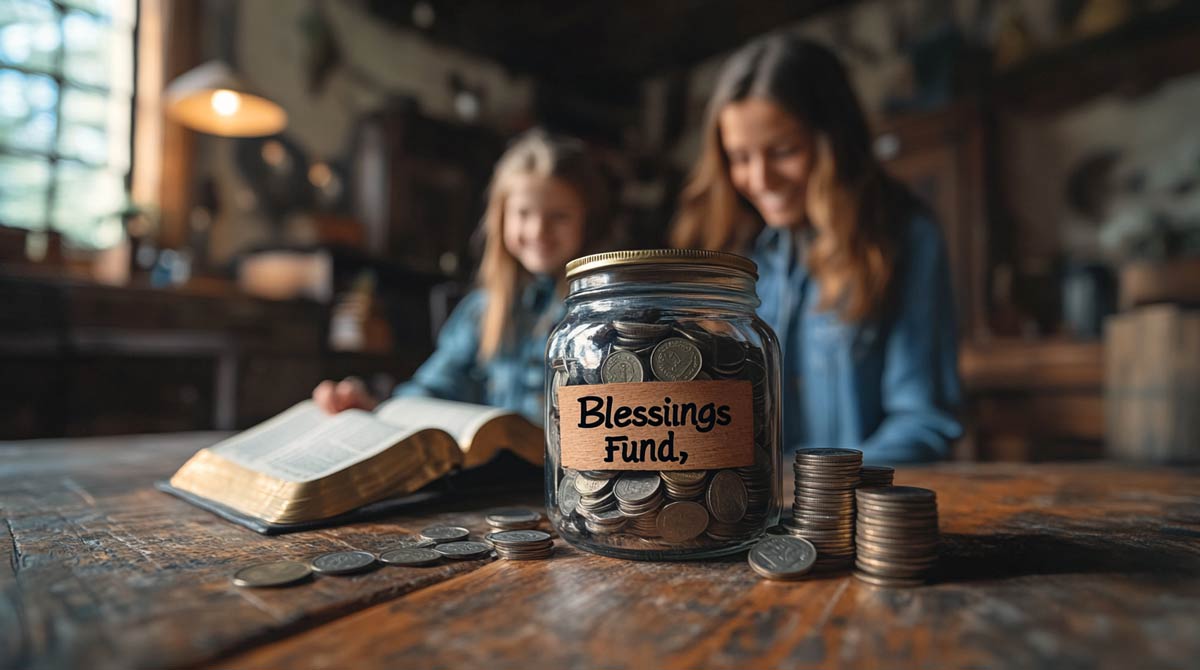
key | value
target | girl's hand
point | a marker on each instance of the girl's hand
(350, 393)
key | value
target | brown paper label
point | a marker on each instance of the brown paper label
(696, 425)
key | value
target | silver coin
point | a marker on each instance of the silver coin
(518, 538)
(887, 582)
(410, 557)
(464, 550)
(621, 367)
(675, 359)
(684, 477)
(275, 573)
(782, 557)
(636, 487)
(442, 534)
(828, 455)
(568, 495)
(726, 497)
(409, 542)
(508, 517)
(899, 495)
(343, 562)
(682, 521)
(591, 487)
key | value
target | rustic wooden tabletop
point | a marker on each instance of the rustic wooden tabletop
(1074, 566)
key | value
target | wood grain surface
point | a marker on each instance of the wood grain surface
(1042, 566)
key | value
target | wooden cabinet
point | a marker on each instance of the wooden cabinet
(419, 188)
(81, 359)
(940, 156)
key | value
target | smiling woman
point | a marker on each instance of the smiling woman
(853, 272)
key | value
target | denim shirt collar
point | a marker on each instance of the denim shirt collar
(783, 248)
(539, 293)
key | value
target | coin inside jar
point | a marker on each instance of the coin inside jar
(622, 367)
(680, 521)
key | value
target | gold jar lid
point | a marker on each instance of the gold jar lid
(611, 259)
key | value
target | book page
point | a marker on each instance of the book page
(304, 443)
(461, 419)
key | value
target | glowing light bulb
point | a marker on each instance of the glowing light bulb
(225, 102)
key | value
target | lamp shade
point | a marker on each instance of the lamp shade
(211, 98)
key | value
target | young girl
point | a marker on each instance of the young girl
(853, 271)
(546, 205)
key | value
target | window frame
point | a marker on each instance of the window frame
(53, 157)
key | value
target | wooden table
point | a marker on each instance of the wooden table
(1063, 566)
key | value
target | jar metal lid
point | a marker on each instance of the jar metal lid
(609, 259)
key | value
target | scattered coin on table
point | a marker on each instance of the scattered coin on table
(782, 557)
(343, 562)
(463, 549)
(410, 557)
(440, 534)
(275, 573)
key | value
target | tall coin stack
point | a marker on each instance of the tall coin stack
(876, 475)
(896, 536)
(823, 509)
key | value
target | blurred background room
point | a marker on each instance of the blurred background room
(208, 206)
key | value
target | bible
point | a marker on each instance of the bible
(305, 466)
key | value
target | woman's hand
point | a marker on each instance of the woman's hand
(350, 393)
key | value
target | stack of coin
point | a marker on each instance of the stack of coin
(638, 337)
(875, 475)
(823, 510)
(685, 484)
(639, 497)
(514, 519)
(595, 491)
(603, 523)
(896, 536)
(522, 545)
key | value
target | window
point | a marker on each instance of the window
(66, 89)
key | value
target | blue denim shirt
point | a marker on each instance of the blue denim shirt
(888, 387)
(513, 378)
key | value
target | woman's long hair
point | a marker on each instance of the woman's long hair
(857, 211)
(501, 275)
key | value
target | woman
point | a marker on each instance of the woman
(547, 204)
(853, 270)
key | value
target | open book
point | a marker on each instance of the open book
(305, 465)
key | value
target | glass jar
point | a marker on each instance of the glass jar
(662, 421)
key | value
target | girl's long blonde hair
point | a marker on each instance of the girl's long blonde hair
(857, 211)
(501, 276)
